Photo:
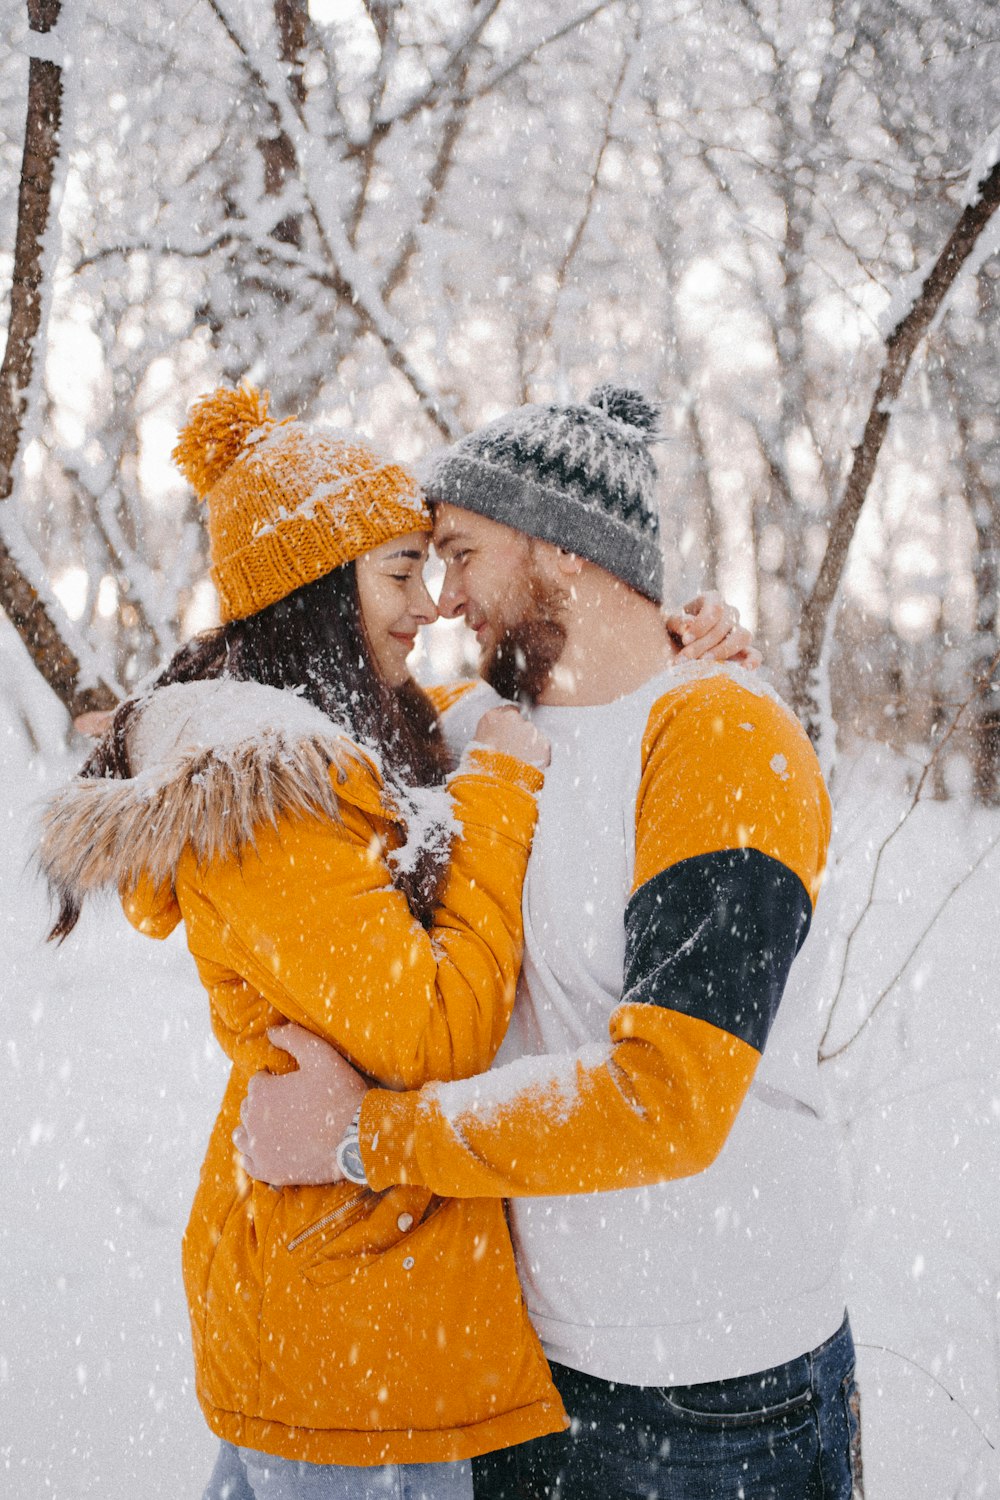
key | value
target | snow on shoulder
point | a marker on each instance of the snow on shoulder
(214, 761)
(279, 730)
(223, 715)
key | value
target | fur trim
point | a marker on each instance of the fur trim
(212, 797)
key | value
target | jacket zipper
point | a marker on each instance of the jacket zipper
(331, 1217)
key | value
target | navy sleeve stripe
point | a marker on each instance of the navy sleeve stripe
(714, 937)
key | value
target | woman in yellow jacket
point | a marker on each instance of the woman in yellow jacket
(283, 791)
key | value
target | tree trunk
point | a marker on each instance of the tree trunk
(291, 21)
(979, 471)
(41, 152)
(53, 658)
(817, 616)
(18, 597)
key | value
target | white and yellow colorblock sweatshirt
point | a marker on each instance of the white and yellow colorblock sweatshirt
(654, 1112)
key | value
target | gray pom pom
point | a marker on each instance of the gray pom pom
(626, 405)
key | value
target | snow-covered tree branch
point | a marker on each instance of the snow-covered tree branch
(900, 347)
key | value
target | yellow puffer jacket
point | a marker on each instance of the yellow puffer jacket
(332, 1324)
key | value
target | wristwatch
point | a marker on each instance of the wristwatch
(348, 1157)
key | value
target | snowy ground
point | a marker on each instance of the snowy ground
(110, 1079)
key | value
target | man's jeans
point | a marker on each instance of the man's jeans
(788, 1433)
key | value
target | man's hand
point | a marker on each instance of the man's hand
(709, 629)
(293, 1122)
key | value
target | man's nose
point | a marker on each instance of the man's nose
(451, 601)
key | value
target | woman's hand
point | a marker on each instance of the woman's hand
(292, 1123)
(709, 629)
(507, 730)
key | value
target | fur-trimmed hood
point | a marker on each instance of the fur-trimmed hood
(212, 762)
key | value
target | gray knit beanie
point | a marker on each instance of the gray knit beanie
(580, 476)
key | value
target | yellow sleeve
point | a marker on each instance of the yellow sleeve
(310, 919)
(151, 909)
(732, 827)
(445, 695)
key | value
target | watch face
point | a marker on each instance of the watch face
(349, 1160)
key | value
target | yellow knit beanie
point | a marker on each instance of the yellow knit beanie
(286, 502)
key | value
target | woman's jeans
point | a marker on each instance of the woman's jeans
(788, 1433)
(243, 1474)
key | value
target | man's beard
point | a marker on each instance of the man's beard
(519, 666)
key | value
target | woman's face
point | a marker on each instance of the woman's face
(394, 601)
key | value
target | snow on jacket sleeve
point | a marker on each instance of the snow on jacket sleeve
(310, 920)
(732, 828)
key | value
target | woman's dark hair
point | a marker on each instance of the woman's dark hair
(313, 640)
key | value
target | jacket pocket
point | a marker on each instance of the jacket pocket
(408, 1318)
(366, 1231)
(739, 1406)
(332, 1223)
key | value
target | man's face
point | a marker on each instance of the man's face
(494, 582)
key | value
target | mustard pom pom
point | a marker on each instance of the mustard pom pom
(216, 434)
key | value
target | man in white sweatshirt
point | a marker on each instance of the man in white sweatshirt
(673, 1189)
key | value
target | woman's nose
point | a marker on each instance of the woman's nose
(423, 607)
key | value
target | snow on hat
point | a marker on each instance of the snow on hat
(581, 476)
(287, 503)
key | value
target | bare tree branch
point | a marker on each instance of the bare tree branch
(351, 282)
(380, 13)
(901, 346)
(442, 81)
(157, 247)
(254, 71)
(887, 989)
(981, 686)
(775, 468)
(590, 197)
(443, 162)
(235, 234)
(120, 556)
(494, 80)
(461, 99)
(885, 1349)
(984, 512)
